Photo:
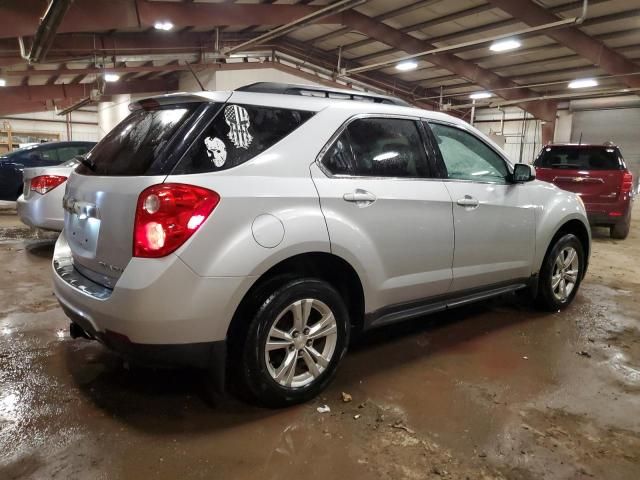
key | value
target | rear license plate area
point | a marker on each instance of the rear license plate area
(83, 233)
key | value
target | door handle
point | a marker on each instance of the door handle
(361, 198)
(468, 201)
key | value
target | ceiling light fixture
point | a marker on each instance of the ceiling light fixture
(406, 66)
(111, 77)
(3, 82)
(164, 26)
(480, 95)
(505, 45)
(583, 83)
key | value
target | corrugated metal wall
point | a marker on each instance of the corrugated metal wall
(620, 126)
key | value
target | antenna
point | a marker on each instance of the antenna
(580, 139)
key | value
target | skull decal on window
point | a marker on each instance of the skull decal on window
(216, 150)
(237, 118)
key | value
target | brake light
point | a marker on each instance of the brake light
(167, 215)
(627, 182)
(45, 183)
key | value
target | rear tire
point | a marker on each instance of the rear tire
(298, 333)
(620, 231)
(561, 273)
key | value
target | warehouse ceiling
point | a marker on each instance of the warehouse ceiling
(357, 43)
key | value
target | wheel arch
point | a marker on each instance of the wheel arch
(325, 266)
(579, 229)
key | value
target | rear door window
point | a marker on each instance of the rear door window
(237, 134)
(136, 142)
(379, 147)
(580, 158)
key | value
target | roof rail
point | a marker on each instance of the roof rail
(317, 91)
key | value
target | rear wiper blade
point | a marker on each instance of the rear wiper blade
(87, 163)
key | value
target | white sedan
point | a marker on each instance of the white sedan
(40, 205)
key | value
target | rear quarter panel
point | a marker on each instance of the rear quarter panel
(44, 211)
(276, 183)
(226, 244)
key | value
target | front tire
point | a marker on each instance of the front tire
(298, 334)
(561, 273)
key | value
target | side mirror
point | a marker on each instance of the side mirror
(523, 173)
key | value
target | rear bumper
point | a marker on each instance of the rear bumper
(609, 213)
(42, 211)
(157, 305)
(198, 355)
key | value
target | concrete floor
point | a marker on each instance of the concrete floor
(496, 390)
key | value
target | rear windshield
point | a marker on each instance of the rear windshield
(132, 146)
(580, 158)
(237, 134)
(16, 152)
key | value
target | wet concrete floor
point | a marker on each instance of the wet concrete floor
(495, 390)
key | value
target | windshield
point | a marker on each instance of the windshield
(580, 158)
(133, 145)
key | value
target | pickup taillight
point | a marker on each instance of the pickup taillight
(167, 215)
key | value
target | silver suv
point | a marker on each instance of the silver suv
(252, 231)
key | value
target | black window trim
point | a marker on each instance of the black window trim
(443, 168)
(431, 172)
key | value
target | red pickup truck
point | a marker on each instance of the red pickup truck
(598, 174)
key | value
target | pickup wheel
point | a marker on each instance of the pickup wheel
(620, 231)
(298, 335)
(561, 273)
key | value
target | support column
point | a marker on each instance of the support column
(548, 131)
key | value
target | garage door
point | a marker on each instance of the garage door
(619, 126)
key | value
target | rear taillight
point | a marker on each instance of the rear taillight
(45, 183)
(167, 215)
(627, 183)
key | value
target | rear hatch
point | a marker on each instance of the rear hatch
(592, 171)
(102, 193)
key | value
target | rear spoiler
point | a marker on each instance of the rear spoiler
(178, 98)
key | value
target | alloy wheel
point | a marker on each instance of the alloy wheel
(301, 343)
(565, 273)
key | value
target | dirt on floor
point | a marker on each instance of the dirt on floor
(496, 390)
